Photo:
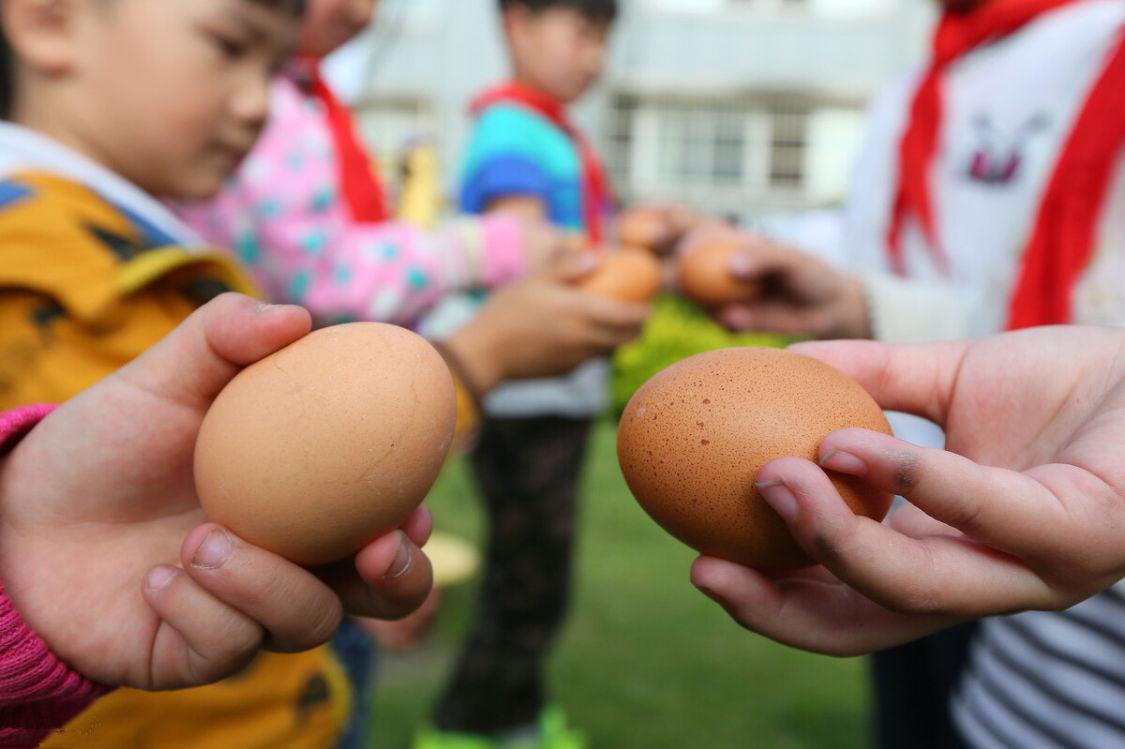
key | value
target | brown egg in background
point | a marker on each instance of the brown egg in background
(706, 278)
(645, 228)
(628, 275)
(329, 443)
(693, 438)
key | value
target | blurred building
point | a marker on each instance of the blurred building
(742, 107)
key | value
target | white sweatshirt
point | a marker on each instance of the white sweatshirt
(1036, 679)
(1009, 106)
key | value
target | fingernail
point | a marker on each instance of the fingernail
(262, 308)
(213, 552)
(401, 565)
(159, 577)
(843, 462)
(780, 498)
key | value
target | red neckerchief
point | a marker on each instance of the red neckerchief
(358, 171)
(597, 194)
(1063, 238)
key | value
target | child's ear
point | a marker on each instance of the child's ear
(514, 19)
(41, 33)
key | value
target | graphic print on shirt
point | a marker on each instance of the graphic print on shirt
(998, 158)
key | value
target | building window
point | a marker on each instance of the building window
(789, 128)
(701, 145)
(727, 153)
(619, 153)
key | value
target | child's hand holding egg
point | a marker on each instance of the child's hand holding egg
(629, 275)
(706, 273)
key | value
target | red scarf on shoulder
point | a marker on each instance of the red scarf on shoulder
(597, 194)
(358, 170)
(1064, 234)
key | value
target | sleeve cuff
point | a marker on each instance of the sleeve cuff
(504, 257)
(904, 311)
(15, 424)
(38, 692)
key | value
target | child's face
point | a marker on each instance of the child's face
(170, 94)
(558, 51)
(329, 24)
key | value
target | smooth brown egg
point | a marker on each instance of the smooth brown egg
(329, 443)
(628, 275)
(694, 437)
(706, 278)
(644, 228)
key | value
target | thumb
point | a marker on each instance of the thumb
(197, 359)
(915, 379)
(572, 267)
(757, 258)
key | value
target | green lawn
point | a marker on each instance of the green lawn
(646, 661)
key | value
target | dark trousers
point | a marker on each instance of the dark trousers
(357, 651)
(913, 687)
(528, 473)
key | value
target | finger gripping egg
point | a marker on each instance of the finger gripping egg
(325, 445)
(693, 439)
(630, 275)
(706, 277)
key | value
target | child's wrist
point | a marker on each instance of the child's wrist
(475, 357)
(462, 374)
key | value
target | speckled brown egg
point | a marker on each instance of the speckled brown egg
(706, 278)
(329, 443)
(628, 275)
(694, 437)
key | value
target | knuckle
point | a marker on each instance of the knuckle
(918, 600)
(233, 646)
(326, 621)
(906, 471)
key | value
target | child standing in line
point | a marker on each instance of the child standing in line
(307, 214)
(990, 198)
(526, 158)
(108, 107)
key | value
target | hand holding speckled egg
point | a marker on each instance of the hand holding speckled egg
(1023, 510)
(693, 439)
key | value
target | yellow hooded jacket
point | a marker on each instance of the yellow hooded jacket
(85, 286)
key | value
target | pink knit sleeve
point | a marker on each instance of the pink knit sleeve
(286, 219)
(38, 692)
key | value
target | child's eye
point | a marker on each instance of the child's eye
(230, 48)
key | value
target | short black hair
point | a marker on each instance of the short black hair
(595, 10)
(8, 62)
(7, 73)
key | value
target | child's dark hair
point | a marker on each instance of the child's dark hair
(7, 61)
(6, 75)
(595, 10)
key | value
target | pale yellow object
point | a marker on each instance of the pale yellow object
(455, 560)
(420, 199)
(299, 701)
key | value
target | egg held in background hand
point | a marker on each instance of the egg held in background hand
(329, 443)
(706, 277)
(629, 275)
(694, 437)
(645, 228)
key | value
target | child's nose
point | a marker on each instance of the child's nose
(251, 105)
